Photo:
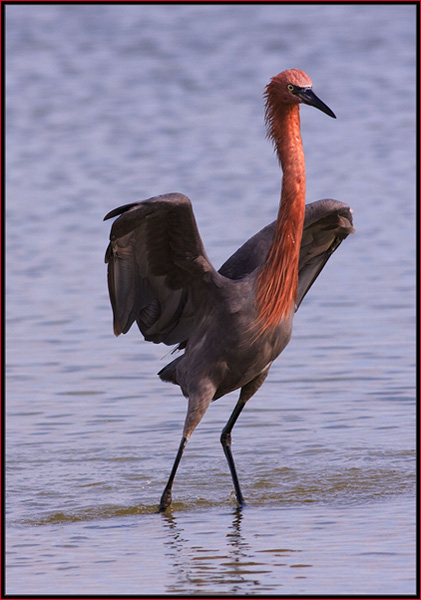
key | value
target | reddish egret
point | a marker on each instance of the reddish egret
(234, 322)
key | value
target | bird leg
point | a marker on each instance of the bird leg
(166, 496)
(246, 393)
(226, 445)
(198, 403)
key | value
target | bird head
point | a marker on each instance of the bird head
(294, 87)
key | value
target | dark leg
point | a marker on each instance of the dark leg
(198, 403)
(246, 393)
(226, 445)
(166, 496)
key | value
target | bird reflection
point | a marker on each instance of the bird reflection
(234, 536)
(198, 567)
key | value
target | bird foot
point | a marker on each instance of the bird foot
(165, 501)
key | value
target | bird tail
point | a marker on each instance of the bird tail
(169, 372)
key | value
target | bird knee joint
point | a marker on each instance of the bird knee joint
(226, 438)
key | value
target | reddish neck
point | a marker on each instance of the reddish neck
(278, 279)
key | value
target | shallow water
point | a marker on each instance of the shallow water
(110, 104)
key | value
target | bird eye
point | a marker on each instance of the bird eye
(290, 87)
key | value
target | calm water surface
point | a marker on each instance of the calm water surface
(112, 104)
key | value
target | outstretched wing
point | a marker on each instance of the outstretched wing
(250, 255)
(158, 271)
(327, 222)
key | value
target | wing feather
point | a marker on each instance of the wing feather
(327, 222)
(158, 271)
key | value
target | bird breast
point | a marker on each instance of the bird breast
(225, 349)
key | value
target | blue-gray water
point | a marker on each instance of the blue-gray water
(108, 104)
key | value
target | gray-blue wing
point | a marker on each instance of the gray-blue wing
(158, 271)
(327, 222)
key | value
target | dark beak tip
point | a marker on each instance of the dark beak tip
(326, 110)
(309, 97)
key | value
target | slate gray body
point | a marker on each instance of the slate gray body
(160, 277)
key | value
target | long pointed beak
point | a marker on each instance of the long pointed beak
(307, 96)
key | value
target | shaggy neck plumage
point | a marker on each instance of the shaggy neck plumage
(278, 279)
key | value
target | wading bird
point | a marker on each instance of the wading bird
(234, 322)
